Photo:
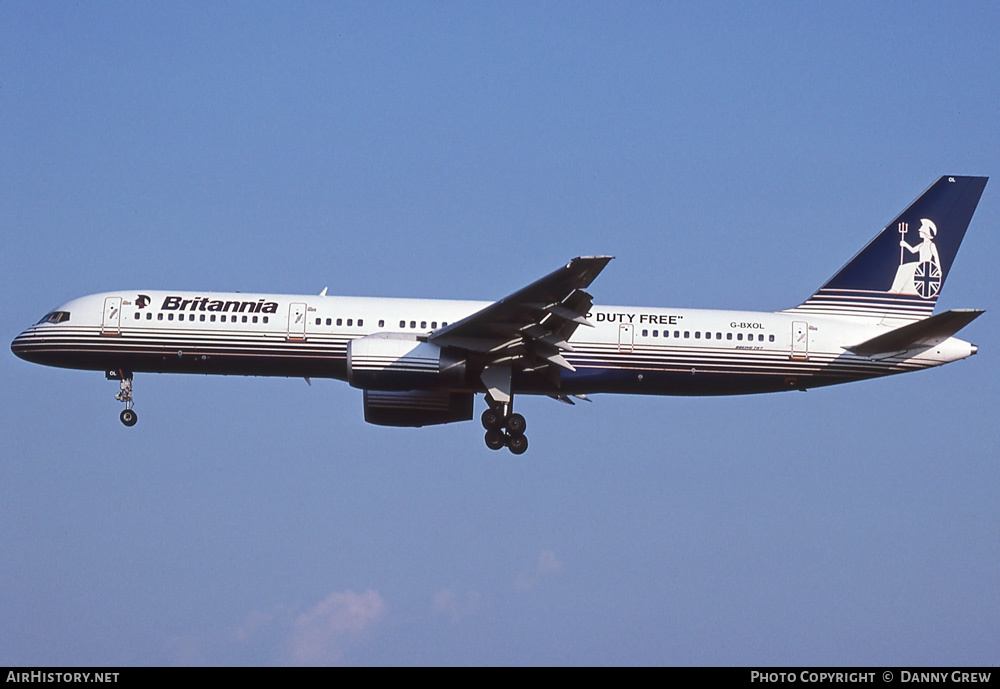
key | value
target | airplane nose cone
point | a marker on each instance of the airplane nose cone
(19, 346)
(25, 347)
(974, 349)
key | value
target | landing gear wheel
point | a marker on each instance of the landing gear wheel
(128, 416)
(492, 419)
(503, 426)
(516, 424)
(517, 444)
(494, 439)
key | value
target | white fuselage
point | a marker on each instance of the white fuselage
(629, 350)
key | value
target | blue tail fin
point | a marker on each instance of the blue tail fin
(901, 272)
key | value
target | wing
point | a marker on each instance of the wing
(529, 330)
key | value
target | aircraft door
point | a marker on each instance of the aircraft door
(800, 340)
(111, 324)
(297, 322)
(626, 337)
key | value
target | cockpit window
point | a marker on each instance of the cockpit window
(54, 317)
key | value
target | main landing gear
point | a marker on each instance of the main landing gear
(504, 427)
(128, 416)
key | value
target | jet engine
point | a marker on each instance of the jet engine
(399, 361)
(417, 407)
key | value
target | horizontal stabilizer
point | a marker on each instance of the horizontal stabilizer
(925, 333)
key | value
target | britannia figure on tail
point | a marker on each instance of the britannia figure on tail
(923, 276)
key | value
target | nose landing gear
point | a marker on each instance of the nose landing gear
(128, 416)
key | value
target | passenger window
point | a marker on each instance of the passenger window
(770, 338)
(656, 333)
(149, 316)
(340, 321)
(413, 324)
(729, 336)
(244, 319)
(645, 333)
(254, 319)
(170, 316)
(350, 322)
(202, 318)
(381, 323)
(360, 322)
(212, 318)
(697, 334)
(402, 324)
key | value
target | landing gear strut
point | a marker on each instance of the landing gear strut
(128, 416)
(499, 418)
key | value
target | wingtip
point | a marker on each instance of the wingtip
(603, 260)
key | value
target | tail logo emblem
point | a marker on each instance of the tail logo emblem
(923, 276)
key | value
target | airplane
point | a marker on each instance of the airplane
(422, 362)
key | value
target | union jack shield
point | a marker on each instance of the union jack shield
(927, 279)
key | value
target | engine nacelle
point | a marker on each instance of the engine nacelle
(417, 407)
(398, 361)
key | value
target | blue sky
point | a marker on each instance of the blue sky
(730, 155)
